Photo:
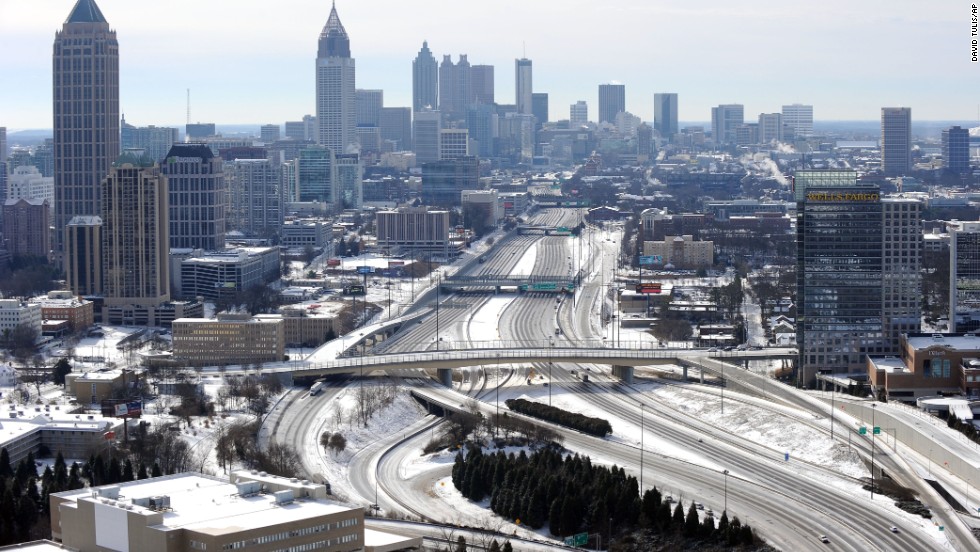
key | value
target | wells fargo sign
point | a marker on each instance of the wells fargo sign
(842, 196)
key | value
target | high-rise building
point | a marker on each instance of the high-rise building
(3, 144)
(453, 143)
(770, 127)
(83, 255)
(481, 124)
(724, 120)
(86, 114)
(481, 85)
(135, 244)
(612, 100)
(153, 142)
(800, 117)
(665, 114)
(26, 227)
(396, 128)
(269, 133)
(442, 181)
(857, 273)
(523, 85)
(349, 181)
(539, 107)
(956, 149)
(199, 131)
(316, 176)
(256, 197)
(425, 80)
(964, 276)
(26, 182)
(369, 105)
(198, 197)
(578, 114)
(896, 140)
(336, 110)
(455, 87)
(425, 136)
(414, 228)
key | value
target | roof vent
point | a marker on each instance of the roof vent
(284, 497)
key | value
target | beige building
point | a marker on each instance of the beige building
(930, 364)
(83, 255)
(414, 228)
(96, 386)
(305, 327)
(231, 339)
(26, 428)
(682, 251)
(191, 511)
(26, 227)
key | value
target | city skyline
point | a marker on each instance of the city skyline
(769, 54)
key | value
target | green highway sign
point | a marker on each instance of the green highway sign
(563, 229)
(544, 286)
(877, 430)
(577, 540)
(863, 430)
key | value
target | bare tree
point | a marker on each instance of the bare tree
(281, 459)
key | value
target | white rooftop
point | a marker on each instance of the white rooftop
(966, 342)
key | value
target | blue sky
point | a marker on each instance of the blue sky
(251, 61)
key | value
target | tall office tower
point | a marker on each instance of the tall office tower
(665, 114)
(425, 136)
(369, 104)
(396, 128)
(455, 87)
(539, 107)
(644, 141)
(956, 149)
(26, 227)
(578, 114)
(349, 179)
(86, 114)
(857, 271)
(135, 243)
(316, 176)
(800, 117)
(336, 111)
(896, 140)
(453, 143)
(964, 276)
(198, 197)
(901, 263)
(523, 85)
(26, 182)
(481, 123)
(153, 142)
(3, 144)
(255, 195)
(516, 137)
(770, 127)
(612, 100)
(425, 80)
(481, 85)
(83, 255)
(724, 120)
(269, 133)
(43, 158)
(443, 180)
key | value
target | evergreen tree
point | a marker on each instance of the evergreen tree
(26, 518)
(678, 520)
(707, 527)
(460, 544)
(141, 473)
(723, 528)
(734, 531)
(691, 524)
(554, 517)
(155, 470)
(128, 474)
(74, 478)
(746, 536)
(5, 469)
(494, 546)
(60, 474)
(508, 547)
(650, 506)
(113, 471)
(8, 512)
(664, 520)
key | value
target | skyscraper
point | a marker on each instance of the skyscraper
(612, 100)
(425, 80)
(349, 181)
(154, 141)
(396, 128)
(857, 272)
(336, 110)
(578, 114)
(198, 197)
(3, 144)
(455, 87)
(896, 140)
(800, 117)
(523, 85)
(255, 197)
(369, 105)
(956, 149)
(724, 120)
(770, 127)
(316, 174)
(86, 114)
(425, 136)
(964, 276)
(135, 243)
(539, 107)
(481, 85)
(665, 114)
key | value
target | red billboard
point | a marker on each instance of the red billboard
(648, 288)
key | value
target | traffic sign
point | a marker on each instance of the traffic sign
(579, 539)
(365, 269)
(544, 286)
(863, 430)
(877, 430)
(563, 229)
(651, 259)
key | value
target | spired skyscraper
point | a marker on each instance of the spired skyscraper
(425, 80)
(86, 114)
(524, 91)
(336, 108)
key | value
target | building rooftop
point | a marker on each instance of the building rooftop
(956, 342)
(207, 504)
(86, 11)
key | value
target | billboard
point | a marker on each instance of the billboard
(651, 260)
(653, 287)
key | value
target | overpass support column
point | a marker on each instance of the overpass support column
(445, 376)
(624, 373)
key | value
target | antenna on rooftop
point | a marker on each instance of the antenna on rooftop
(188, 106)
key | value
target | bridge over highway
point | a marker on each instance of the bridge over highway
(525, 283)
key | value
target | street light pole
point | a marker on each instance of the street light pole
(874, 408)
(551, 362)
(726, 491)
(642, 435)
(496, 422)
(722, 388)
(438, 291)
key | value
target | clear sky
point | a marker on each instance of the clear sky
(252, 61)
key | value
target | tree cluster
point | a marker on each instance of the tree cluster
(656, 516)
(568, 493)
(592, 426)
